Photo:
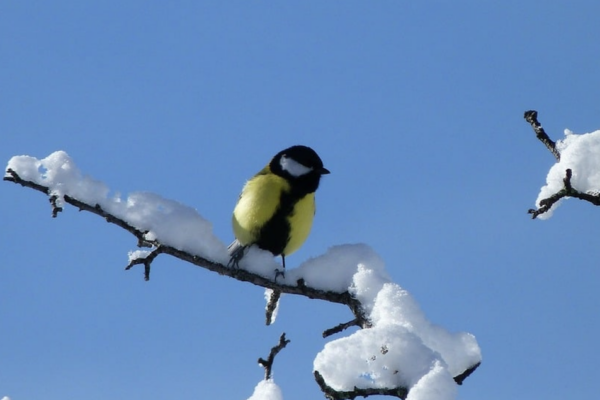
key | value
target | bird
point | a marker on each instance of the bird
(276, 207)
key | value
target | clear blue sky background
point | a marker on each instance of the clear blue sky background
(415, 108)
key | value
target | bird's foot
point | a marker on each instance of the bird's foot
(236, 257)
(279, 273)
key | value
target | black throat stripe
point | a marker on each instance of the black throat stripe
(274, 235)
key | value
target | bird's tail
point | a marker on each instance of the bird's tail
(234, 247)
(236, 251)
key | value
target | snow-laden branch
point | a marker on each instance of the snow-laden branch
(577, 170)
(398, 352)
(148, 238)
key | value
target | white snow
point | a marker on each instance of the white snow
(170, 222)
(137, 254)
(266, 390)
(581, 154)
(401, 349)
(340, 262)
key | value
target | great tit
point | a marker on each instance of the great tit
(276, 207)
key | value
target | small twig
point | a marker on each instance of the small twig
(459, 379)
(272, 306)
(147, 261)
(531, 117)
(332, 394)
(14, 177)
(268, 363)
(341, 327)
(566, 191)
(55, 208)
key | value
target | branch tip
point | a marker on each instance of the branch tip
(147, 261)
(268, 363)
(272, 306)
(459, 379)
(531, 117)
(341, 327)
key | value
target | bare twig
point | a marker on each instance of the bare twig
(268, 363)
(147, 261)
(55, 208)
(531, 117)
(341, 327)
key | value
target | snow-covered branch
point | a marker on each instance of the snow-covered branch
(398, 352)
(577, 170)
(146, 239)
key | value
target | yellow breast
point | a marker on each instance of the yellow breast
(260, 201)
(301, 222)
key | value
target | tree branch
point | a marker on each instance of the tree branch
(332, 394)
(300, 288)
(531, 117)
(459, 379)
(341, 327)
(566, 191)
(272, 306)
(268, 363)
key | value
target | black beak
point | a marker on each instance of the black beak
(324, 171)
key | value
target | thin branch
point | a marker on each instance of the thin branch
(55, 208)
(400, 392)
(566, 191)
(300, 288)
(459, 379)
(332, 394)
(268, 363)
(531, 117)
(146, 261)
(272, 306)
(341, 327)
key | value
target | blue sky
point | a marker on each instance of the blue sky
(415, 108)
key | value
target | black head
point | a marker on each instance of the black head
(300, 165)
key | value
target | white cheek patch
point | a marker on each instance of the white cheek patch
(293, 167)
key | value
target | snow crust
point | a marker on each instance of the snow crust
(580, 153)
(402, 349)
(171, 222)
(266, 390)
